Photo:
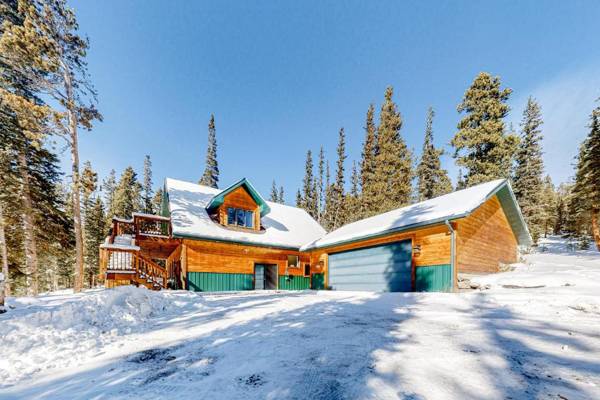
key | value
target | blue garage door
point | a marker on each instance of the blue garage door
(386, 268)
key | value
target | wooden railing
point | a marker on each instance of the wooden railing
(126, 261)
(141, 225)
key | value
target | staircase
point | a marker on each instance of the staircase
(121, 262)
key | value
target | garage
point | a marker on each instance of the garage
(384, 268)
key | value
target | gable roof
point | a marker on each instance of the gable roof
(285, 226)
(218, 198)
(451, 206)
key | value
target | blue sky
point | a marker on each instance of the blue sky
(283, 77)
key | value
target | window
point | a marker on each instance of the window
(239, 217)
(293, 262)
(307, 269)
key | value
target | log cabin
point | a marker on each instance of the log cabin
(207, 239)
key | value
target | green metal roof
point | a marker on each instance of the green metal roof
(511, 208)
(218, 199)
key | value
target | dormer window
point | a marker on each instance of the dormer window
(239, 217)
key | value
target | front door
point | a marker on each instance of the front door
(265, 277)
(259, 277)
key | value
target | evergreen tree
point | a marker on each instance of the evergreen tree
(460, 181)
(352, 204)
(578, 217)
(109, 186)
(309, 197)
(274, 195)
(392, 185)
(432, 180)
(328, 212)
(157, 201)
(591, 174)
(211, 171)
(49, 54)
(95, 232)
(147, 187)
(281, 195)
(527, 179)
(299, 201)
(481, 145)
(547, 207)
(338, 217)
(319, 186)
(368, 165)
(559, 220)
(128, 194)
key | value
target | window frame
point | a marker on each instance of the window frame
(236, 215)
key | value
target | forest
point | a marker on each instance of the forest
(52, 221)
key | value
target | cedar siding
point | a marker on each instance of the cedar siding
(485, 239)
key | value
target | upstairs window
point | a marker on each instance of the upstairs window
(239, 217)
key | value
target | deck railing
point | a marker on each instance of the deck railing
(129, 261)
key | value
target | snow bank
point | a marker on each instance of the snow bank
(50, 332)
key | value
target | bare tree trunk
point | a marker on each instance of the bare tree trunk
(4, 283)
(595, 226)
(31, 260)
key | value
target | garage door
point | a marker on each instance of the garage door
(386, 268)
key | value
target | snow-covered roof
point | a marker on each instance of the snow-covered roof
(447, 207)
(285, 226)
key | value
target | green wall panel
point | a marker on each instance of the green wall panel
(294, 282)
(317, 282)
(433, 278)
(217, 282)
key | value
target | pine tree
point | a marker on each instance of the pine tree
(368, 165)
(527, 179)
(157, 201)
(328, 212)
(460, 181)
(591, 174)
(559, 220)
(578, 216)
(309, 197)
(352, 204)
(274, 195)
(299, 201)
(392, 185)
(547, 206)
(128, 194)
(109, 186)
(481, 145)
(49, 53)
(211, 171)
(281, 196)
(320, 191)
(95, 231)
(432, 180)
(147, 186)
(338, 196)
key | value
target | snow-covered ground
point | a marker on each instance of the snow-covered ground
(534, 335)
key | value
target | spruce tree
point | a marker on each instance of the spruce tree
(157, 201)
(281, 196)
(299, 201)
(128, 194)
(211, 171)
(578, 215)
(48, 52)
(338, 217)
(432, 180)
(352, 204)
(109, 186)
(147, 186)
(95, 232)
(329, 207)
(368, 165)
(548, 199)
(460, 181)
(309, 197)
(527, 179)
(591, 174)
(392, 185)
(320, 191)
(481, 145)
(274, 195)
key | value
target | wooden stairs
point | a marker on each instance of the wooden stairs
(122, 263)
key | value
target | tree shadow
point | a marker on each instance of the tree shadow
(316, 348)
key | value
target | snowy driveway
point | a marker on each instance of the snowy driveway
(132, 343)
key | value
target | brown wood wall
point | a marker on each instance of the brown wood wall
(485, 239)
(239, 198)
(206, 256)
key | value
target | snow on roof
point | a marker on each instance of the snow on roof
(450, 206)
(286, 226)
